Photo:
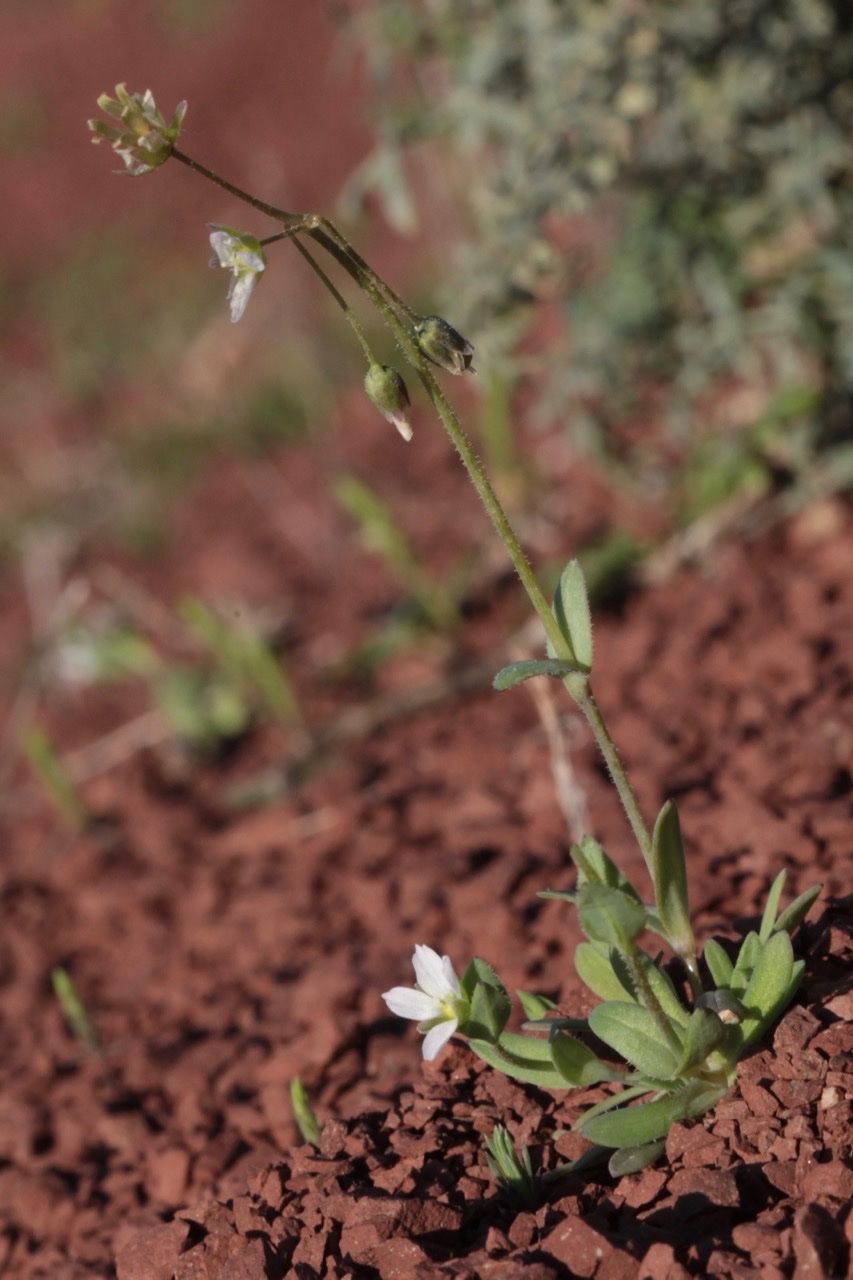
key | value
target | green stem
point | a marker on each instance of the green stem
(578, 687)
(375, 289)
(339, 298)
(280, 215)
(366, 272)
(392, 307)
(576, 684)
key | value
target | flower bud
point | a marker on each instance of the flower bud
(388, 392)
(441, 344)
(143, 139)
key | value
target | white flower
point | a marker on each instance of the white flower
(243, 255)
(436, 1001)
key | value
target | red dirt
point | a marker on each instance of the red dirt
(221, 953)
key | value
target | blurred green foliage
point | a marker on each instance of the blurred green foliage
(677, 177)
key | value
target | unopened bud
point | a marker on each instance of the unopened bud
(388, 392)
(441, 344)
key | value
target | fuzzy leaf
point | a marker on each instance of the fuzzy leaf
(704, 1033)
(489, 1002)
(657, 978)
(578, 1065)
(719, 965)
(571, 609)
(633, 1159)
(797, 911)
(592, 965)
(596, 867)
(750, 949)
(534, 1006)
(770, 988)
(768, 919)
(610, 916)
(670, 877)
(648, 1121)
(528, 1069)
(517, 672)
(633, 1033)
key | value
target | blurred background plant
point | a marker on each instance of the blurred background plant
(668, 189)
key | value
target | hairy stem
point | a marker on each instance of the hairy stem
(397, 315)
(578, 687)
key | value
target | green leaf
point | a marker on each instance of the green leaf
(535, 1006)
(750, 949)
(489, 1005)
(596, 867)
(719, 965)
(633, 1032)
(611, 916)
(704, 1033)
(45, 762)
(633, 1159)
(563, 895)
(768, 919)
(770, 988)
(658, 979)
(571, 609)
(524, 1067)
(670, 877)
(517, 672)
(303, 1113)
(796, 912)
(592, 965)
(648, 1121)
(578, 1065)
(536, 1048)
(73, 1008)
(512, 1171)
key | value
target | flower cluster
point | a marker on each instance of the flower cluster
(142, 139)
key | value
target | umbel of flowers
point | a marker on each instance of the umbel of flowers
(671, 1055)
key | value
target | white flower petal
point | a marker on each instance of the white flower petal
(437, 1038)
(240, 292)
(431, 973)
(450, 976)
(408, 1003)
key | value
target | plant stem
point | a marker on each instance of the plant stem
(270, 210)
(396, 312)
(578, 687)
(338, 296)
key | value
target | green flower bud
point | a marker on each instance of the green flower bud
(441, 344)
(388, 392)
(143, 139)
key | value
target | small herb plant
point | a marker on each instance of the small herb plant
(680, 1056)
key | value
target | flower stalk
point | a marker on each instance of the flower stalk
(678, 1061)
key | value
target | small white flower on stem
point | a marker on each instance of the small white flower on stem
(243, 255)
(436, 1001)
